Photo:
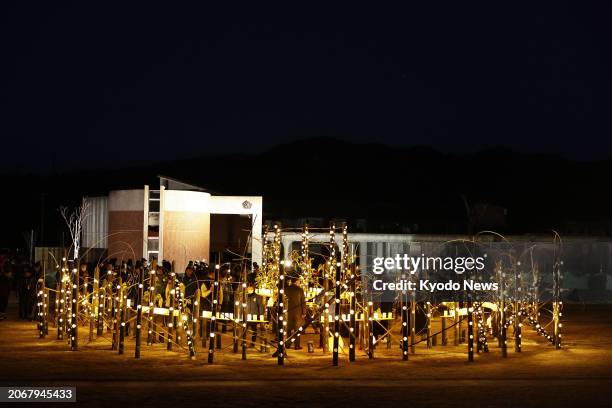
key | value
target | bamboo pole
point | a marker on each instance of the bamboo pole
(280, 321)
(370, 326)
(122, 317)
(334, 271)
(243, 319)
(46, 309)
(116, 313)
(428, 315)
(557, 303)
(213, 319)
(102, 299)
(470, 339)
(185, 316)
(196, 315)
(502, 315)
(404, 306)
(74, 327)
(94, 304)
(443, 328)
(171, 327)
(517, 327)
(61, 302)
(139, 311)
(39, 309)
(352, 313)
(151, 326)
(457, 323)
(412, 323)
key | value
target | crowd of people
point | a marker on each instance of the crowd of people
(19, 275)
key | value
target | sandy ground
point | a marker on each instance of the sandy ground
(578, 374)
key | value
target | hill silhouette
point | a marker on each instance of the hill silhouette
(387, 189)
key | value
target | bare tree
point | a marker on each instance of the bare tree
(75, 220)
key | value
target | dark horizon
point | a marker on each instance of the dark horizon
(97, 166)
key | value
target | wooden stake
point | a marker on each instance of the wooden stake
(139, 311)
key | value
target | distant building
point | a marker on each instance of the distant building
(172, 222)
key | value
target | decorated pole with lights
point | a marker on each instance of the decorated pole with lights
(370, 329)
(482, 345)
(352, 313)
(213, 321)
(58, 296)
(61, 297)
(110, 304)
(457, 322)
(502, 313)
(74, 327)
(557, 303)
(264, 267)
(280, 309)
(237, 326)
(470, 319)
(306, 264)
(186, 319)
(518, 328)
(413, 305)
(518, 325)
(115, 312)
(101, 307)
(428, 316)
(171, 322)
(336, 273)
(93, 304)
(139, 300)
(122, 317)
(46, 309)
(177, 310)
(244, 315)
(324, 338)
(196, 329)
(352, 307)
(40, 304)
(404, 307)
(150, 314)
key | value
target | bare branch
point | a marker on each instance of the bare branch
(74, 221)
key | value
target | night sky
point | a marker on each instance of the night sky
(98, 85)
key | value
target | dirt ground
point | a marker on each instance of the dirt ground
(578, 374)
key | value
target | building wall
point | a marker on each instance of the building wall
(186, 227)
(95, 227)
(126, 224)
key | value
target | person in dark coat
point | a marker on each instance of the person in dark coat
(190, 282)
(255, 308)
(296, 309)
(27, 294)
(5, 290)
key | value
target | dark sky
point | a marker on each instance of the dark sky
(90, 85)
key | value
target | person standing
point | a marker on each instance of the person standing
(5, 290)
(296, 310)
(255, 308)
(27, 294)
(190, 282)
